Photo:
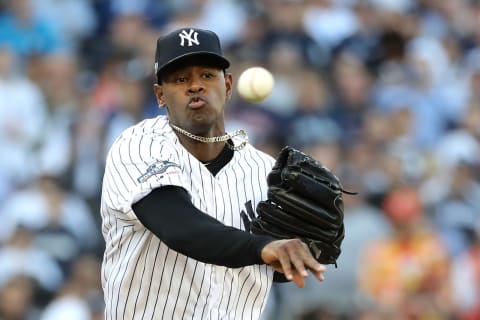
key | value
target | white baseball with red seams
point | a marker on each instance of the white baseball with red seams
(255, 84)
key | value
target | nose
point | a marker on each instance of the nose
(196, 86)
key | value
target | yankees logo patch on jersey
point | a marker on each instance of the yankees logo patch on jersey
(157, 168)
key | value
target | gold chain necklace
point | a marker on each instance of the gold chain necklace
(225, 137)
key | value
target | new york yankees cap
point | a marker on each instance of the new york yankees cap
(187, 42)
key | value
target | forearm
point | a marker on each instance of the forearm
(170, 215)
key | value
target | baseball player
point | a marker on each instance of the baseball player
(177, 196)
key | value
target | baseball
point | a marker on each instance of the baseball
(255, 84)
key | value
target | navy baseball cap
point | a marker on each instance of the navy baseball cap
(188, 42)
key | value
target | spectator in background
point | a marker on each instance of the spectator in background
(286, 61)
(52, 212)
(132, 98)
(311, 120)
(364, 44)
(466, 280)
(23, 113)
(75, 20)
(406, 273)
(56, 75)
(67, 305)
(26, 31)
(310, 126)
(454, 192)
(249, 47)
(474, 81)
(437, 81)
(80, 296)
(21, 256)
(366, 157)
(352, 85)
(457, 214)
(286, 29)
(88, 147)
(17, 299)
(226, 17)
(329, 23)
(415, 83)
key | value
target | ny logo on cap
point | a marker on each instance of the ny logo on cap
(190, 36)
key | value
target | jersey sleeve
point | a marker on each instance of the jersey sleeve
(136, 166)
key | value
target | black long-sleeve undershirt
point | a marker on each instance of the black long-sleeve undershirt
(171, 216)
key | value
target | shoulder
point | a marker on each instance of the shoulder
(252, 153)
(145, 134)
(148, 127)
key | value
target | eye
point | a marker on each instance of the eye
(180, 79)
(208, 75)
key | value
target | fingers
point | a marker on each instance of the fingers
(293, 258)
(298, 279)
(285, 264)
(290, 269)
(299, 259)
(319, 274)
(304, 260)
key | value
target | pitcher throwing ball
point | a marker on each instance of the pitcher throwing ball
(178, 195)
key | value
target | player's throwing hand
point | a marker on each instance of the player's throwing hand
(292, 258)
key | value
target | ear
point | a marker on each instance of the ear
(158, 90)
(228, 85)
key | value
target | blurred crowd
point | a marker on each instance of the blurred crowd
(386, 93)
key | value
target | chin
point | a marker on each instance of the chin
(200, 125)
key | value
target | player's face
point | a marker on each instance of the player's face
(195, 98)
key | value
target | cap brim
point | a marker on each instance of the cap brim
(210, 59)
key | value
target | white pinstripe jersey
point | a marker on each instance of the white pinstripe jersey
(144, 279)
